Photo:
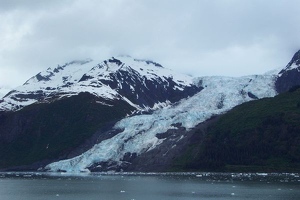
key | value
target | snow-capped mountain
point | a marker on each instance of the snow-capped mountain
(178, 103)
(141, 83)
(293, 64)
(141, 133)
(289, 76)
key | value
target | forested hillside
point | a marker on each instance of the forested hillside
(46, 132)
(261, 135)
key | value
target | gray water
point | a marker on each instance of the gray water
(187, 186)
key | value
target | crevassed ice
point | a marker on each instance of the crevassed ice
(139, 132)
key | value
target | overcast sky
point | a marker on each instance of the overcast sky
(198, 37)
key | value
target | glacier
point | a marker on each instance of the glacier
(138, 133)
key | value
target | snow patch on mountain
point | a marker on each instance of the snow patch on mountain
(138, 133)
(292, 67)
(294, 64)
(105, 79)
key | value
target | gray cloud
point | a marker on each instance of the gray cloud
(221, 37)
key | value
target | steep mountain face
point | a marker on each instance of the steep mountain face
(289, 77)
(142, 84)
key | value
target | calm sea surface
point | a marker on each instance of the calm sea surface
(154, 186)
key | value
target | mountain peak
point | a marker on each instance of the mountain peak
(294, 63)
(289, 76)
(66, 68)
(141, 83)
(130, 60)
(149, 62)
(296, 58)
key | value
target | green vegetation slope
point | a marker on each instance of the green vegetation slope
(261, 135)
(47, 132)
